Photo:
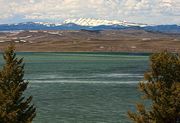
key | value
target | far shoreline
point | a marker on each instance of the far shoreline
(87, 52)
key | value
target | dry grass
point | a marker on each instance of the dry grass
(75, 41)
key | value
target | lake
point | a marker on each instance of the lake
(83, 87)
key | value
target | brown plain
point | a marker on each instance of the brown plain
(90, 41)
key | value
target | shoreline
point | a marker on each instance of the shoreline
(87, 52)
(92, 52)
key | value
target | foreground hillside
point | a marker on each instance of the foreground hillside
(83, 40)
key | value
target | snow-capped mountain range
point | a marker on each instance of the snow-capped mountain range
(89, 24)
(98, 22)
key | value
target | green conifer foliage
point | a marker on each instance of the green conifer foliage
(14, 108)
(161, 86)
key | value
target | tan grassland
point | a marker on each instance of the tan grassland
(91, 41)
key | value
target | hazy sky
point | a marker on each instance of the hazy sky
(143, 11)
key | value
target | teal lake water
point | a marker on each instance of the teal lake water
(83, 87)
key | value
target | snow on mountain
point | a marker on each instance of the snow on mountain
(89, 24)
(86, 22)
(48, 24)
(98, 22)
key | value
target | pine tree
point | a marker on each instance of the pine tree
(14, 108)
(161, 86)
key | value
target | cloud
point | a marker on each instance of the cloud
(5, 11)
(148, 11)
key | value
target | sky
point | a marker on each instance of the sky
(138, 11)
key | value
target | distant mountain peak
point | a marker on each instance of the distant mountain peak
(98, 22)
